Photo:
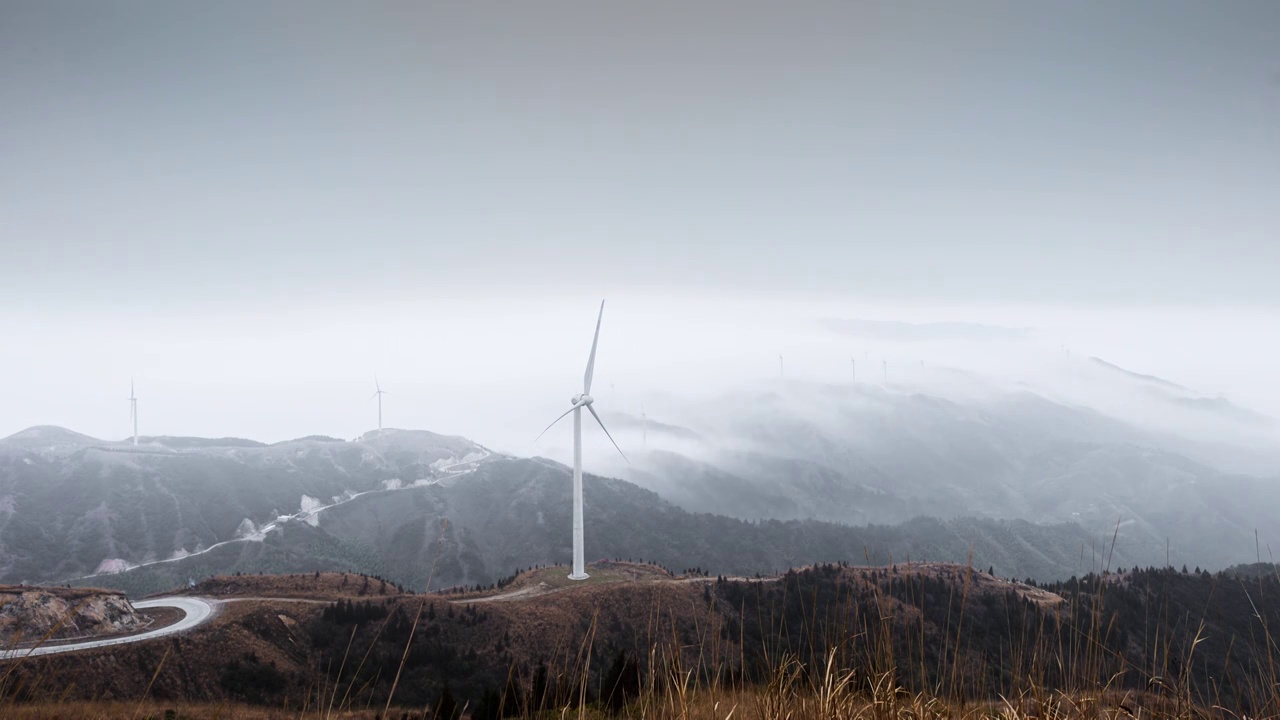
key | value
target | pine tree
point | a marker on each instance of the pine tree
(447, 705)
(538, 699)
(622, 682)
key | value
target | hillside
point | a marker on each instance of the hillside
(947, 628)
(72, 506)
(512, 513)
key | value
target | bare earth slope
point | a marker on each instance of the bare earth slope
(32, 613)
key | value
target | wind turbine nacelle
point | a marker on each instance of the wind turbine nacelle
(581, 400)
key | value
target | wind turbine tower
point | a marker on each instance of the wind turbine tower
(578, 402)
(133, 410)
(378, 393)
(854, 362)
(781, 371)
(886, 372)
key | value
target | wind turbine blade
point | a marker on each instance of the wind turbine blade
(376, 384)
(606, 432)
(553, 422)
(375, 394)
(591, 361)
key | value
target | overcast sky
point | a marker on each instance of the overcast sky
(280, 162)
(183, 152)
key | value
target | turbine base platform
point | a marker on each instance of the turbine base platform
(575, 576)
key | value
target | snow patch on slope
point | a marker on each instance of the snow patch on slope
(111, 566)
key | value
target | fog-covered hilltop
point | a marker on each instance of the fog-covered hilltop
(1100, 447)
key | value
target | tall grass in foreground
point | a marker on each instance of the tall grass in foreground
(871, 655)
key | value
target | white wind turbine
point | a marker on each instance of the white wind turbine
(133, 410)
(583, 400)
(378, 393)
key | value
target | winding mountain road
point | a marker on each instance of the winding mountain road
(197, 612)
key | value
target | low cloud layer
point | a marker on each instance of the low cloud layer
(498, 371)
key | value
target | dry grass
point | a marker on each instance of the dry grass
(158, 711)
(855, 672)
(303, 586)
(778, 701)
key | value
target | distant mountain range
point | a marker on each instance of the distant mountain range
(742, 483)
(1216, 407)
(515, 513)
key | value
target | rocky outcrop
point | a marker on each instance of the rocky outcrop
(28, 614)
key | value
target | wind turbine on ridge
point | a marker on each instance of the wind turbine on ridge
(583, 400)
(133, 410)
(378, 394)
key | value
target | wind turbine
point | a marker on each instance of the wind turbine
(378, 394)
(584, 400)
(133, 410)
(854, 363)
(781, 371)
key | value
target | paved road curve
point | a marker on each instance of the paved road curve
(197, 612)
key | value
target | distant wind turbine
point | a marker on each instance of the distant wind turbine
(378, 393)
(583, 400)
(854, 363)
(781, 371)
(886, 372)
(133, 410)
(644, 427)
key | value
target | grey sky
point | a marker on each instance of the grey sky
(159, 155)
(254, 206)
